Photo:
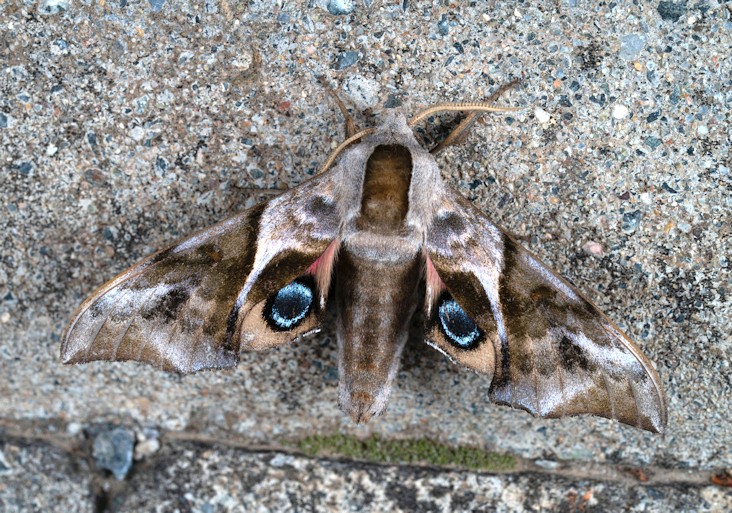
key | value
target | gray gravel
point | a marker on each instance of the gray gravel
(127, 125)
(41, 477)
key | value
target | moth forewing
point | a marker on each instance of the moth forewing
(187, 307)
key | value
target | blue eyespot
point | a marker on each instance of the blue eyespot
(289, 306)
(457, 326)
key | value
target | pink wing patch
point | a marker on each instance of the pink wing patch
(434, 283)
(322, 268)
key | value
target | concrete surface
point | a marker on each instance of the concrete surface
(127, 125)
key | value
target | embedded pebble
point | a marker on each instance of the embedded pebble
(542, 116)
(53, 6)
(631, 221)
(340, 7)
(137, 133)
(548, 464)
(702, 130)
(281, 460)
(442, 26)
(74, 428)
(6, 120)
(146, 448)
(684, 227)
(363, 92)
(652, 142)
(346, 59)
(670, 11)
(112, 450)
(620, 111)
(156, 5)
(5, 467)
(631, 46)
(594, 248)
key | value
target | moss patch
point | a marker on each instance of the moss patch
(419, 450)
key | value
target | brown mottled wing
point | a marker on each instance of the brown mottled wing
(195, 304)
(551, 352)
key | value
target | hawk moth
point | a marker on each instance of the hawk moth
(371, 229)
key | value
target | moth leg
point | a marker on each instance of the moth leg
(350, 126)
(460, 134)
(252, 191)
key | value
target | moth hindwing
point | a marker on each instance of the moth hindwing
(370, 229)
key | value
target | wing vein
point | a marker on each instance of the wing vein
(132, 319)
(609, 392)
(559, 375)
(635, 401)
(176, 326)
(106, 318)
(534, 372)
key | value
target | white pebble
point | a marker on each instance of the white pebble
(146, 448)
(542, 115)
(702, 130)
(73, 428)
(137, 133)
(594, 248)
(363, 91)
(620, 111)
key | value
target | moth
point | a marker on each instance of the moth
(370, 229)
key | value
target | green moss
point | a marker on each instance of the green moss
(419, 450)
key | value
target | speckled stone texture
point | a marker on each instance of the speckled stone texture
(126, 125)
(194, 478)
(40, 477)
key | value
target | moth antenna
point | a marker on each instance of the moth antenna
(475, 107)
(451, 107)
(350, 127)
(351, 135)
(460, 133)
(343, 146)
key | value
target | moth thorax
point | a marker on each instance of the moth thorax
(385, 198)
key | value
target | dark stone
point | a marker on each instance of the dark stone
(392, 102)
(652, 142)
(598, 99)
(631, 221)
(346, 59)
(666, 187)
(670, 11)
(442, 27)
